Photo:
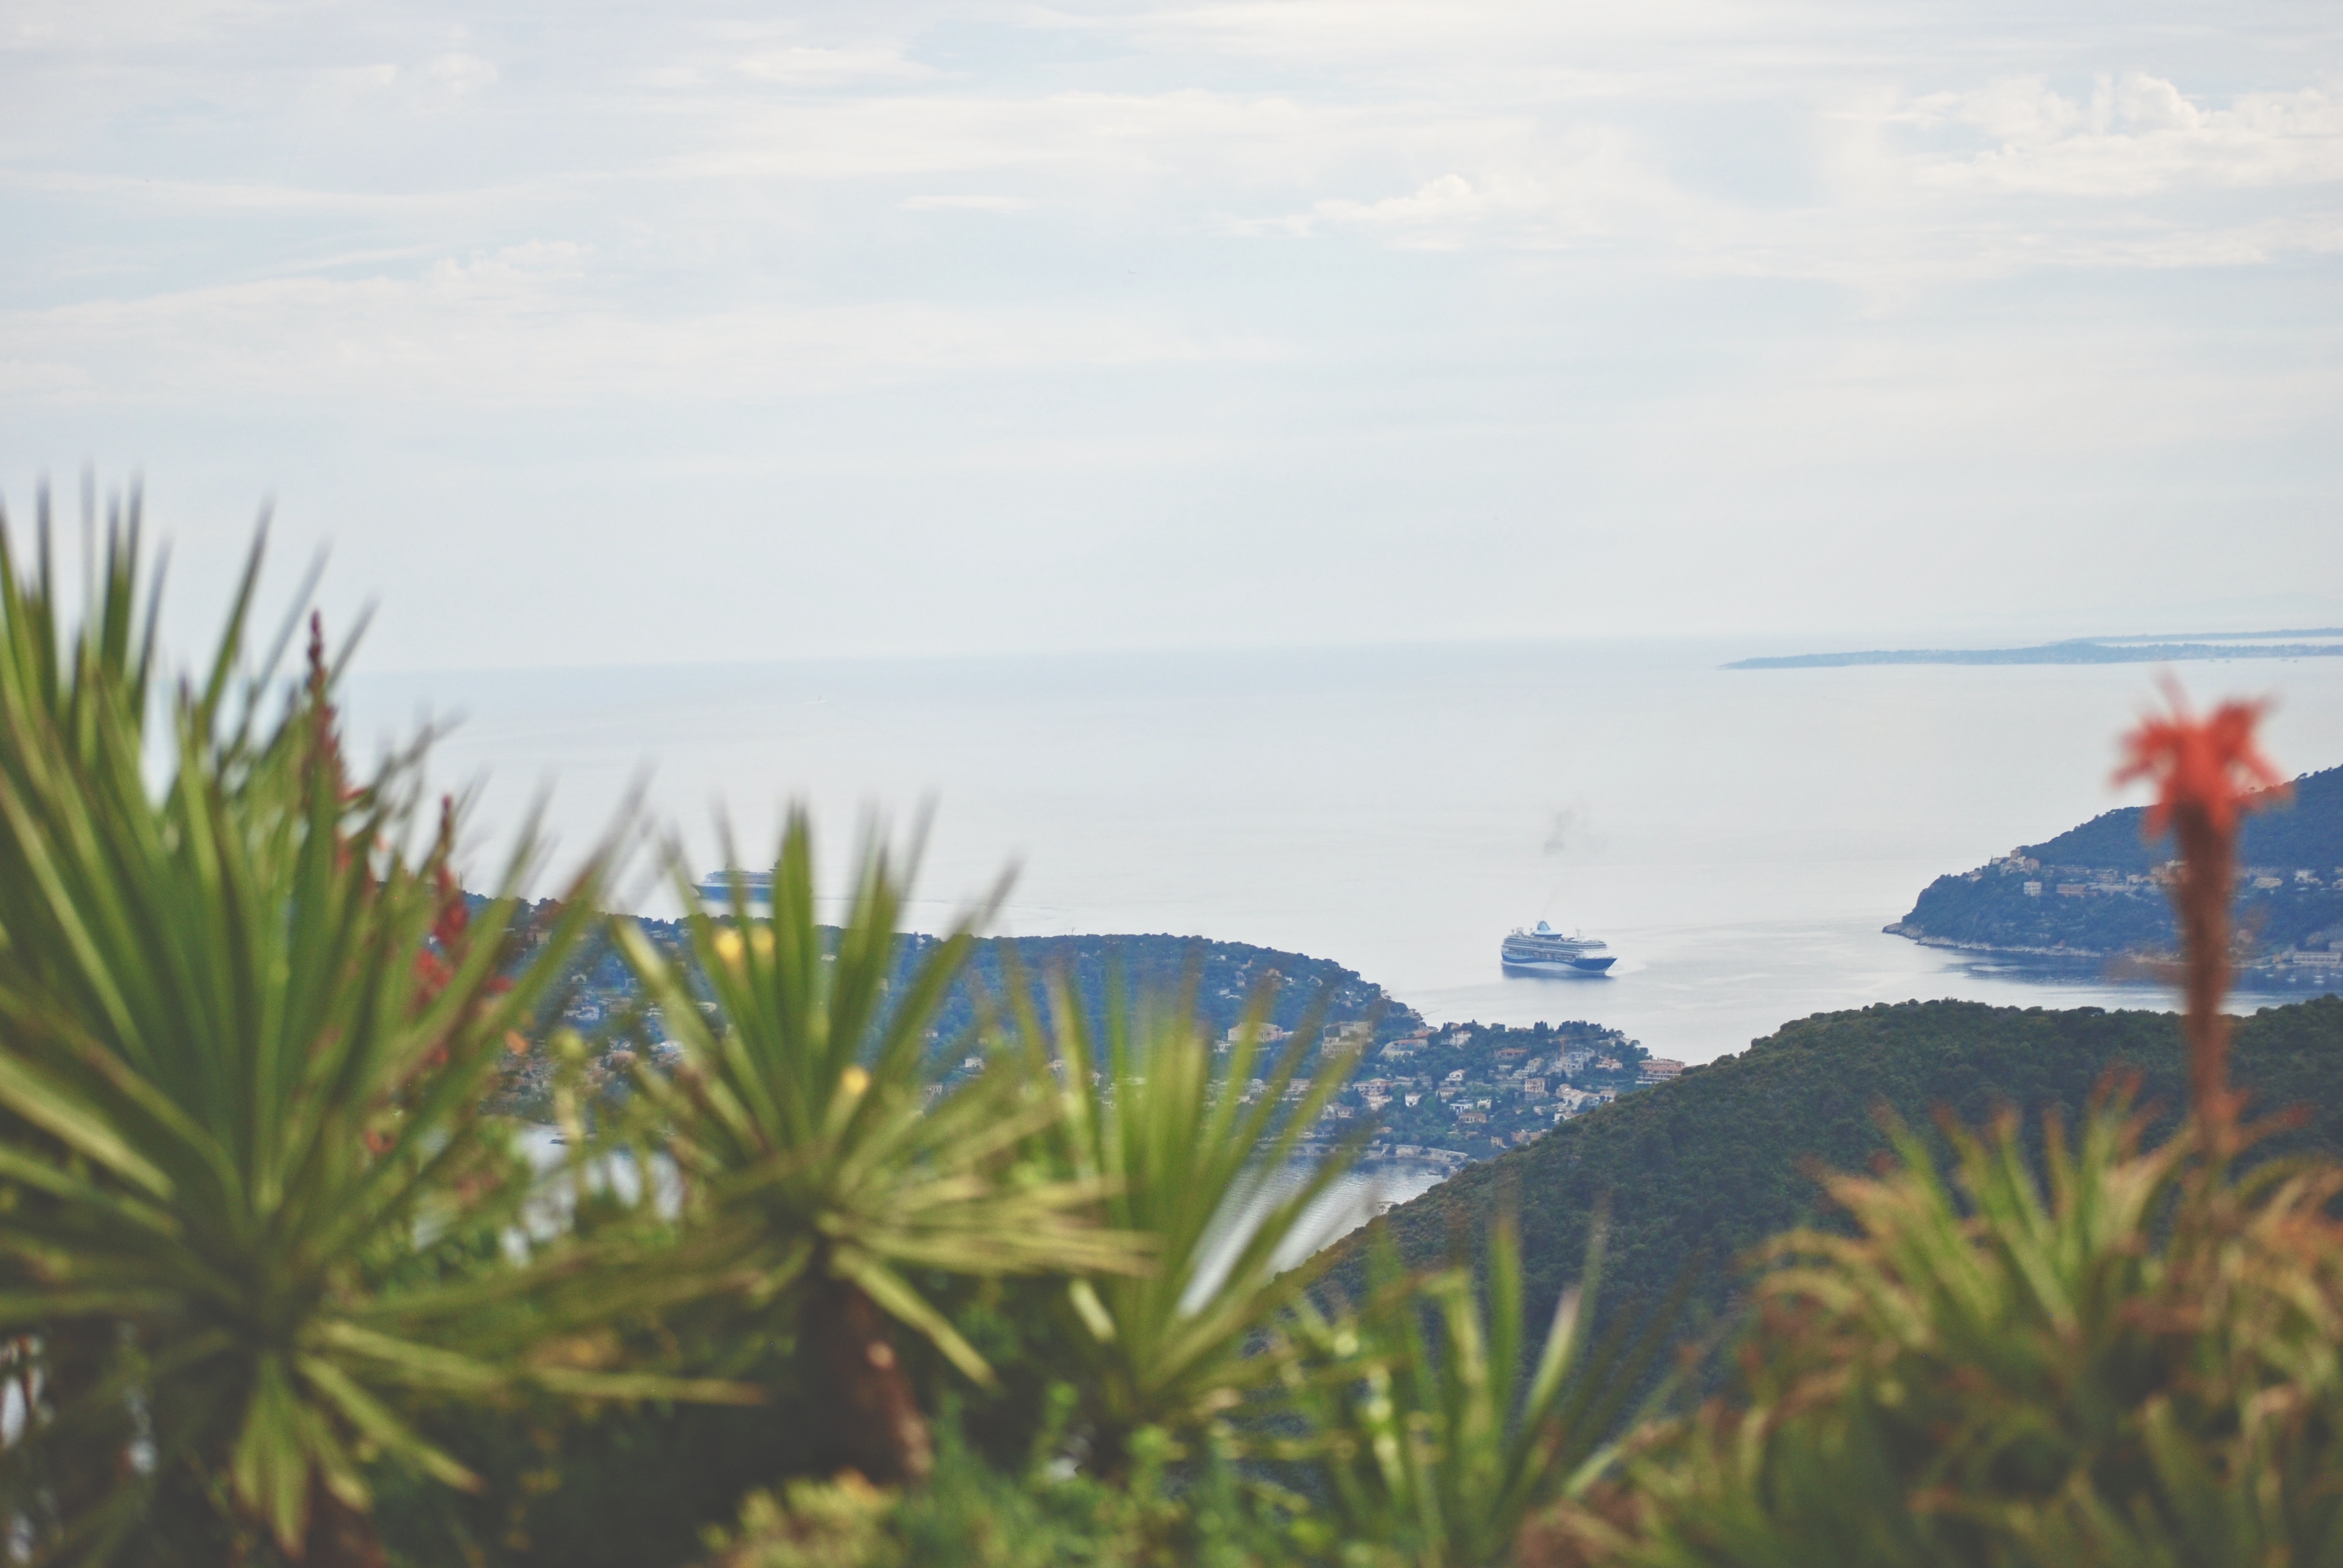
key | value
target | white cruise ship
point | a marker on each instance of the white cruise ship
(756, 887)
(1546, 952)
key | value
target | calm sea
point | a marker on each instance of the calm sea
(1738, 837)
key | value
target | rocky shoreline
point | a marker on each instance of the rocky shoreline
(2141, 964)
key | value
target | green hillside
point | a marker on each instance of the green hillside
(2089, 892)
(2305, 834)
(1699, 1169)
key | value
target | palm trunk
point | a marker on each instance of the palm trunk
(2209, 866)
(339, 1536)
(95, 1461)
(881, 1430)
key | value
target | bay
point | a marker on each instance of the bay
(1739, 836)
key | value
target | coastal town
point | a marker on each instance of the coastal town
(1444, 1096)
(2018, 904)
(2102, 891)
(1465, 1091)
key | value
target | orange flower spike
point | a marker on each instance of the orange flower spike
(2207, 775)
(2212, 767)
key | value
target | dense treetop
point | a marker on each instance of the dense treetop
(2089, 892)
(1698, 1170)
(2308, 833)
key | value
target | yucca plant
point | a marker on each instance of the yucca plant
(823, 1168)
(1431, 1433)
(1193, 1153)
(53, 682)
(244, 1040)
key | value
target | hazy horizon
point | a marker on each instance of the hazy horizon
(1740, 838)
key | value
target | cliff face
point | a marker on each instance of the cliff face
(2090, 891)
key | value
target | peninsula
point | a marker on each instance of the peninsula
(2097, 891)
(2084, 650)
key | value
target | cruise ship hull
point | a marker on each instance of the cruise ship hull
(1577, 968)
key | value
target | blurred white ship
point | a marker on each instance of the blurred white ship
(1546, 952)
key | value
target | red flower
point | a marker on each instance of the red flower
(2205, 773)
(432, 975)
(2210, 767)
(436, 965)
(448, 925)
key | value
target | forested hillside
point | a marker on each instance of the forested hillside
(1699, 1169)
(1226, 977)
(2092, 891)
(604, 1000)
(2307, 832)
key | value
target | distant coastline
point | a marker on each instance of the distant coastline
(2098, 892)
(2079, 651)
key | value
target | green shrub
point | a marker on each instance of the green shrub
(974, 1514)
(1431, 1448)
(2127, 1357)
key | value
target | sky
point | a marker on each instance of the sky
(628, 333)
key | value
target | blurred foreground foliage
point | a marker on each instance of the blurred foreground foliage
(2126, 1356)
(276, 1288)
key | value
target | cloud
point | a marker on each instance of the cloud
(463, 75)
(803, 66)
(1315, 278)
(2136, 134)
(1909, 193)
(1493, 40)
(1233, 140)
(1001, 203)
(341, 87)
(1464, 127)
(1586, 185)
(1439, 215)
(177, 198)
(532, 325)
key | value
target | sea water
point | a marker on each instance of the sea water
(1738, 837)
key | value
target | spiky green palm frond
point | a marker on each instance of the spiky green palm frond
(244, 1035)
(1437, 1445)
(1196, 1155)
(814, 1141)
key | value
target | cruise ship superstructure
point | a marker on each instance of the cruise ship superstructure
(716, 890)
(1546, 952)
